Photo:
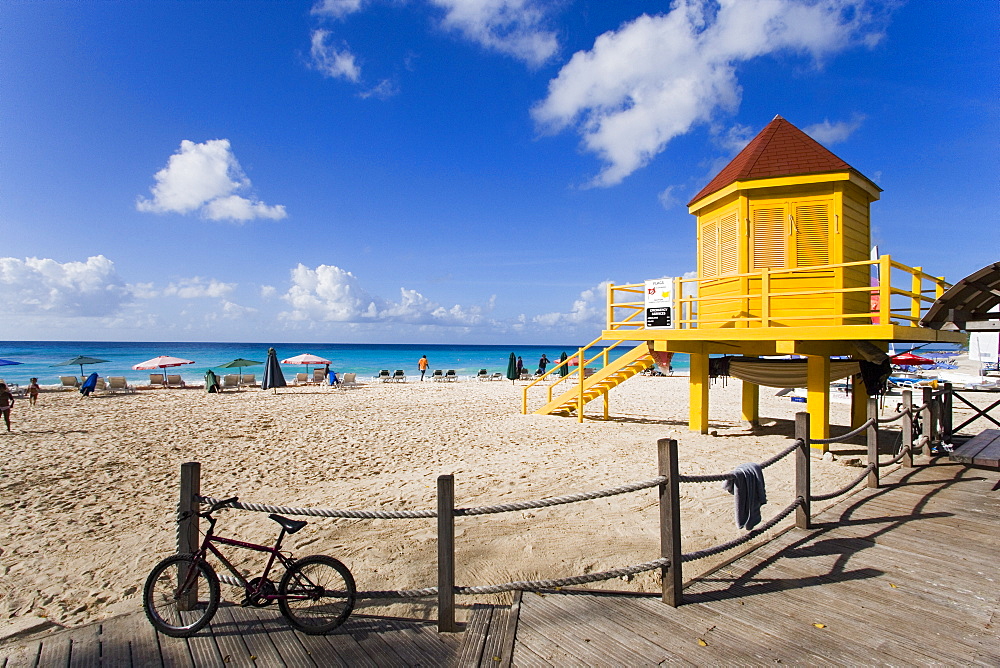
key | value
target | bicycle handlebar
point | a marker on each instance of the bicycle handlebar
(221, 504)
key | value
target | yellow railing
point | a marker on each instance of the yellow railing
(577, 374)
(896, 305)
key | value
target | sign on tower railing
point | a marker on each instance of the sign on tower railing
(659, 302)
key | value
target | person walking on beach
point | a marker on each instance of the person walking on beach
(542, 363)
(422, 364)
(520, 366)
(33, 391)
(6, 403)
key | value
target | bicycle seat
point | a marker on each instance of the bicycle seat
(291, 526)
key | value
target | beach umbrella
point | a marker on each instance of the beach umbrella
(909, 359)
(239, 363)
(161, 362)
(80, 360)
(564, 369)
(512, 368)
(272, 372)
(211, 382)
(307, 359)
(9, 362)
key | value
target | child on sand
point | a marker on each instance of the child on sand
(6, 403)
(33, 391)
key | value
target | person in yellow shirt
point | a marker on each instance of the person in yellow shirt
(422, 365)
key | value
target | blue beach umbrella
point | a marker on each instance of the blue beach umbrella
(9, 362)
(272, 372)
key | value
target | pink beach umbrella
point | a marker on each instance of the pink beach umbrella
(161, 362)
(307, 359)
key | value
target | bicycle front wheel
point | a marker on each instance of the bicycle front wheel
(316, 595)
(181, 595)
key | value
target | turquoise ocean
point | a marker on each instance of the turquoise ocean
(37, 357)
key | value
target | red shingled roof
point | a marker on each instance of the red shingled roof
(781, 149)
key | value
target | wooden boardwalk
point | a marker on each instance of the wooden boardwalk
(904, 574)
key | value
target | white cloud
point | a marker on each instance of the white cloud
(45, 286)
(668, 197)
(205, 177)
(197, 287)
(234, 311)
(336, 8)
(513, 27)
(268, 291)
(589, 309)
(332, 62)
(331, 294)
(833, 133)
(656, 77)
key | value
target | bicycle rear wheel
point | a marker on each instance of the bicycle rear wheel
(181, 595)
(316, 594)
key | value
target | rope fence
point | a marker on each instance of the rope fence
(667, 482)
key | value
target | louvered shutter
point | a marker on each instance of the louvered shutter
(769, 238)
(729, 244)
(710, 249)
(812, 234)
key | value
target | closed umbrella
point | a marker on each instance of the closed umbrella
(239, 363)
(564, 369)
(81, 360)
(211, 382)
(272, 372)
(512, 368)
(161, 362)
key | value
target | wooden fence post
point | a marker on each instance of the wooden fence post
(670, 522)
(446, 553)
(872, 433)
(906, 429)
(927, 421)
(802, 465)
(946, 416)
(187, 524)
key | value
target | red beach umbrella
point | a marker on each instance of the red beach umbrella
(909, 359)
(161, 362)
(308, 360)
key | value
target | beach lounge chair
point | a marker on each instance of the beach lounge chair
(69, 382)
(483, 374)
(437, 375)
(119, 384)
(301, 379)
(451, 376)
(384, 376)
(174, 380)
(496, 376)
(319, 376)
(349, 380)
(156, 380)
(231, 381)
(399, 376)
(101, 385)
(249, 380)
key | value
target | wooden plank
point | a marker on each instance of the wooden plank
(346, 647)
(174, 652)
(145, 648)
(85, 647)
(22, 656)
(475, 635)
(204, 651)
(284, 637)
(320, 650)
(429, 645)
(229, 640)
(509, 639)
(493, 647)
(261, 649)
(115, 637)
(367, 632)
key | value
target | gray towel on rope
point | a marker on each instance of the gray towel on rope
(748, 487)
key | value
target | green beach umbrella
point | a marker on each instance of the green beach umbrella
(512, 368)
(564, 369)
(239, 363)
(81, 360)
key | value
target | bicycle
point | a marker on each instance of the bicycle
(181, 595)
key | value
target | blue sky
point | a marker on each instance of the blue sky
(453, 171)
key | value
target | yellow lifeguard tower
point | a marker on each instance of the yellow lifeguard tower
(783, 268)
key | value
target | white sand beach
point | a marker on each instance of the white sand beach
(88, 487)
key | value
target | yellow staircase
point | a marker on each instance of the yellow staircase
(595, 385)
